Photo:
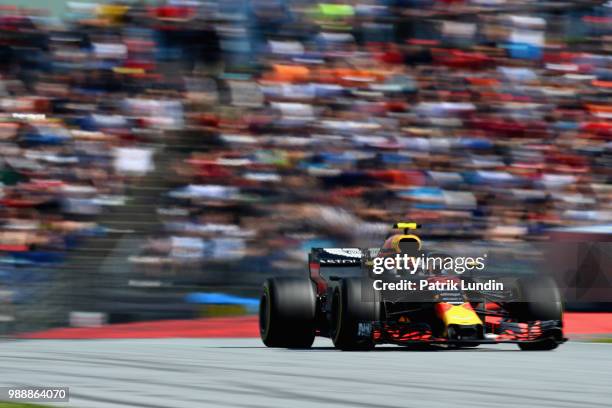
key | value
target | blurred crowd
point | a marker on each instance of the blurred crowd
(303, 124)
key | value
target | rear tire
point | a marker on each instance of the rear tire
(287, 313)
(348, 310)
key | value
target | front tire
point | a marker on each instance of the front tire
(539, 346)
(540, 300)
(287, 313)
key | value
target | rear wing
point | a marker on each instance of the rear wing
(335, 256)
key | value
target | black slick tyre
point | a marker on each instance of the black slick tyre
(348, 312)
(540, 300)
(287, 313)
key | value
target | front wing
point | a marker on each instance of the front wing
(499, 332)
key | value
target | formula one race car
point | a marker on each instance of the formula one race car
(340, 300)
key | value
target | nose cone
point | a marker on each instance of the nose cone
(457, 314)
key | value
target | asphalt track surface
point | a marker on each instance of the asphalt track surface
(164, 373)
